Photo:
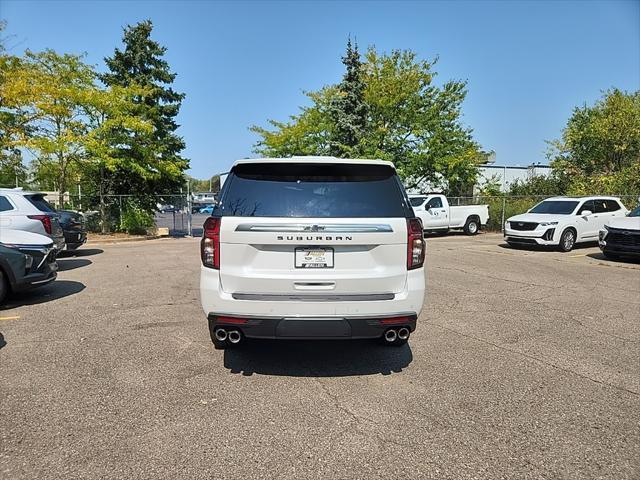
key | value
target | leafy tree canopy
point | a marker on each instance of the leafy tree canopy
(141, 64)
(386, 107)
(43, 96)
(600, 147)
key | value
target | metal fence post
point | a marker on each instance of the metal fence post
(504, 204)
(120, 202)
(189, 219)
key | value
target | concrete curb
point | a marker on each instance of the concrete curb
(121, 240)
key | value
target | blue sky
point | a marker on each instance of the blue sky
(528, 64)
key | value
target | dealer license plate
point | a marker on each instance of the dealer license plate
(314, 258)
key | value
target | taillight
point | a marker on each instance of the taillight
(46, 222)
(210, 245)
(416, 246)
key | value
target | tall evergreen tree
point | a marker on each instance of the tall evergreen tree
(141, 64)
(348, 109)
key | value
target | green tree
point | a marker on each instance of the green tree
(410, 121)
(600, 147)
(12, 125)
(210, 184)
(110, 113)
(44, 96)
(307, 133)
(347, 108)
(12, 170)
(549, 185)
(157, 151)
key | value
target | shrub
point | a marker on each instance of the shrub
(512, 206)
(136, 221)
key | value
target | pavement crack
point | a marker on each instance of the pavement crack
(361, 421)
(493, 277)
(536, 359)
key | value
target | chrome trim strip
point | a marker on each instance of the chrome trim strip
(315, 228)
(305, 317)
(45, 251)
(313, 297)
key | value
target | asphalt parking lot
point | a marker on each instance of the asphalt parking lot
(525, 364)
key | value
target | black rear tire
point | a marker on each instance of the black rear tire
(472, 227)
(4, 287)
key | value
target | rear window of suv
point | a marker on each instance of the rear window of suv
(40, 203)
(313, 190)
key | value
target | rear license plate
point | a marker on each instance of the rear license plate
(314, 258)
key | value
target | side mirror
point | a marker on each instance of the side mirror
(586, 213)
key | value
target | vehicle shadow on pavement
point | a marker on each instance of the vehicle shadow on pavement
(2, 341)
(600, 256)
(65, 264)
(318, 358)
(546, 248)
(84, 252)
(54, 291)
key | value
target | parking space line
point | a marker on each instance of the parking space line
(9, 318)
(578, 255)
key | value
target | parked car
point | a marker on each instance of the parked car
(207, 210)
(30, 212)
(620, 237)
(73, 226)
(27, 260)
(166, 208)
(563, 221)
(438, 216)
(312, 247)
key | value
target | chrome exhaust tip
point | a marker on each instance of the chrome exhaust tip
(221, 334)
(235, 336)
(390, 335)
(404, 333)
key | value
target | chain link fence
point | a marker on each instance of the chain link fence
(165, 214)
(179, 215)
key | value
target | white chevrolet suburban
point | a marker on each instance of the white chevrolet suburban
(312, 248)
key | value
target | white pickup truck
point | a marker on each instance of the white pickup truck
(438, 216)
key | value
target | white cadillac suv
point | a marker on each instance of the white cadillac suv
(312, 248)
(563, 221)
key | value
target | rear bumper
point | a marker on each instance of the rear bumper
(307, 328)
(74, 239)
(304, 318)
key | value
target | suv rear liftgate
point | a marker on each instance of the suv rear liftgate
(312, 250)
